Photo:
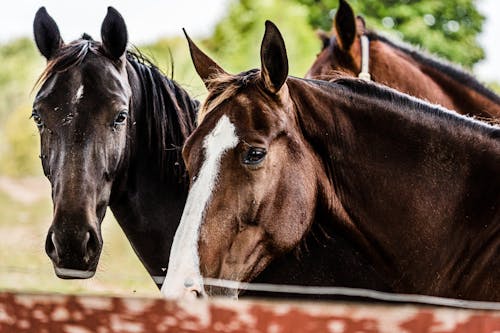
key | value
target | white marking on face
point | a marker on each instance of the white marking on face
(184, 260)
(79, 94)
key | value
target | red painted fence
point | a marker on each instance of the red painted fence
(86, 314)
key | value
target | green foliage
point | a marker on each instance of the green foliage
(448, 28)
(21, 63)
(235, 44)
(179, 64)
(22, 145)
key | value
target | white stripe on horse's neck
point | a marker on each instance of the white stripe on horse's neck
(365, 59)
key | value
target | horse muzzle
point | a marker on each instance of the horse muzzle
(74, 254)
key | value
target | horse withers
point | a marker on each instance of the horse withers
(399, 66)
(111, 128)
(414, 185)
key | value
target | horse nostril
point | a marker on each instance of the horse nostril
(192, 289)
(50, 247)
(90, 245)
(85, 242)
(197, 293)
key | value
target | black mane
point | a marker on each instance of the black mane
(355, 86)
(169, 117)
(441, 65)
(168, 114)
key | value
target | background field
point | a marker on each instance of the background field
(25, 205)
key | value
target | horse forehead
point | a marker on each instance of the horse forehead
(253, 112)
(216, 139)
(100, 70)
(61, 85)
(102, 80)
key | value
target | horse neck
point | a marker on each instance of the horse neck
(402, 183)
(149, 196)
(398, 69)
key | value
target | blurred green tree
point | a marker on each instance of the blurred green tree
(20, 65)
(235, 44)
(447, 28)
(178, 66)
(22, 145)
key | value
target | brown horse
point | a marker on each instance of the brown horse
(400, 67)
(415, 185)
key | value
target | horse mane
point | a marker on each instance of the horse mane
(451, 70)
(403, 103)
(169, 113)
(169, 116)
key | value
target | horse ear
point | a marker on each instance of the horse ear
(323, 36)
(360, 24)
(114, 34)
(204, 65)
(273, 58)
(345, 25)
(47, 36)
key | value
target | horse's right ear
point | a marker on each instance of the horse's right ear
(47, 36)
(345, 25)
(205, 67)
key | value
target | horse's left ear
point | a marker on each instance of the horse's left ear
(273, 58)
(114, 34)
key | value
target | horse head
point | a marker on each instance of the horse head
(246, 154)
(341, 52)
(82, 113)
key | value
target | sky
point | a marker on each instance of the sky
(148, 20)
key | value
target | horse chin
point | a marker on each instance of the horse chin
(68, 273)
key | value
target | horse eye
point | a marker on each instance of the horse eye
(254, 156)
(37, 119)
(120, 119)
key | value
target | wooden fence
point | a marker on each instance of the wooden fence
(86, 314)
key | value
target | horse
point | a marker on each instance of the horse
(134, 164)
(399, 66)
(111, 127)
(415, 185)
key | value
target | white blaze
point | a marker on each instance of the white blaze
(184, 260)
(79, 94)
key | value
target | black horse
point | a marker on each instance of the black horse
(111, 128)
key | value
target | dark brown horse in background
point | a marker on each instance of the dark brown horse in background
(111, 128)
(400, 67)
(414, 185)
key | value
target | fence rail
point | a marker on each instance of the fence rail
(82, 314)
